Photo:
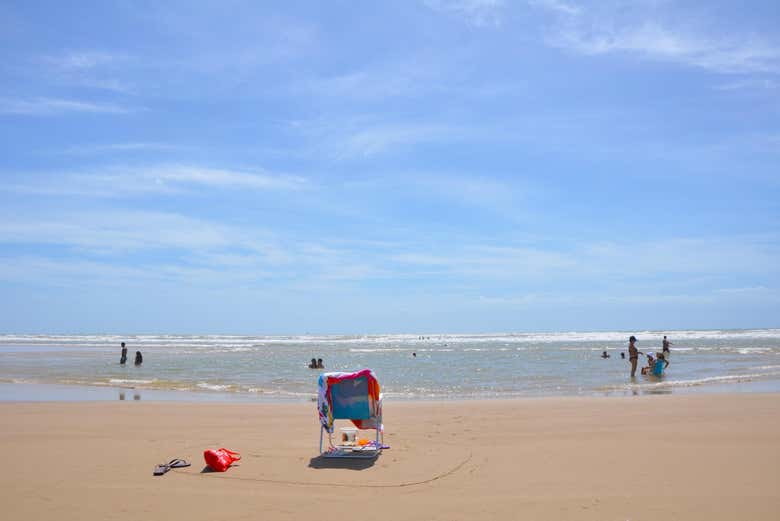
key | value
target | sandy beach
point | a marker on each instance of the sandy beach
(689, 457)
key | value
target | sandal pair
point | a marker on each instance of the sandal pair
(162, 468)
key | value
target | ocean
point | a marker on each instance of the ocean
(446, 366)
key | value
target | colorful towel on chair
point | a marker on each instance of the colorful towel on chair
(368, 404)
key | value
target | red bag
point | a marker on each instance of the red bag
(220, 459)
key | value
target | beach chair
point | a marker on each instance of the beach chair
(355, 397)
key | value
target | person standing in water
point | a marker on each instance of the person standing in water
(138, 358)
(666, 345)
(123, 358)
(633, 354)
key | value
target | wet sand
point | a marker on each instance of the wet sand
(690, 457)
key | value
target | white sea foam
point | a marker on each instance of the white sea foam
(129, 381)
(723, 379)
(212, 387)
(161, 341)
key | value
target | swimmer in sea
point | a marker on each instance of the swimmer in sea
(320, 365)
(139, 359)
(604, 354)
(313, 364)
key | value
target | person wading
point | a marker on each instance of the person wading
(633, 354)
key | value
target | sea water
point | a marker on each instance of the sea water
(446, 366)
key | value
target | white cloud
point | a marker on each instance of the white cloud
(117, 181)
(480, 13)
(749, 84)
(632, 31)
(118, 147)
(219, 178)
(657, 42)
(423, 74)
(703, 256)
(363, 137)
(490, 262)
(56, 106)
(88, 68)
(557, 6)
(375, 139)
(108, 231)
(608, 262)
(81, 60)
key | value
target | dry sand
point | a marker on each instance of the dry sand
(652, 457)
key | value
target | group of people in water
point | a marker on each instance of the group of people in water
(139, 359)
(655, 364)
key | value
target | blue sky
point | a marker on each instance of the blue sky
(412, 166)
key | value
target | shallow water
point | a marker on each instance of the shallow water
(446, 366)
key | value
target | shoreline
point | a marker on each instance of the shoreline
(44, 392)
(694, 457)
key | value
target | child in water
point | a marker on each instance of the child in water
(650, 365)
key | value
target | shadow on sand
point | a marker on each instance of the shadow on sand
(321, 462)
(209, 470)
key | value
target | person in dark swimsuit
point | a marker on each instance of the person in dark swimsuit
(633, 354)
(665, 349)
(139, 359)
(123, 358)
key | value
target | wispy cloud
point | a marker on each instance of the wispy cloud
(597, 32)
(221, 178)
(116, 181)
(561, 299)
(57, 106)
(603, 261)
(749, 84)
(380, 81)
(558, 6)
(362, 137)
(376, 139)
(83, 60)
(88, 68)
(480, 13)
(114, 230)
(118, 147)
(490, 262)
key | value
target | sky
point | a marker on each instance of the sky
(410, 166)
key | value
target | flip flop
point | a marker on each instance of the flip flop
(161, 469)
(178, 463)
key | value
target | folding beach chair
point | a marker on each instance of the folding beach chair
(355, 397)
